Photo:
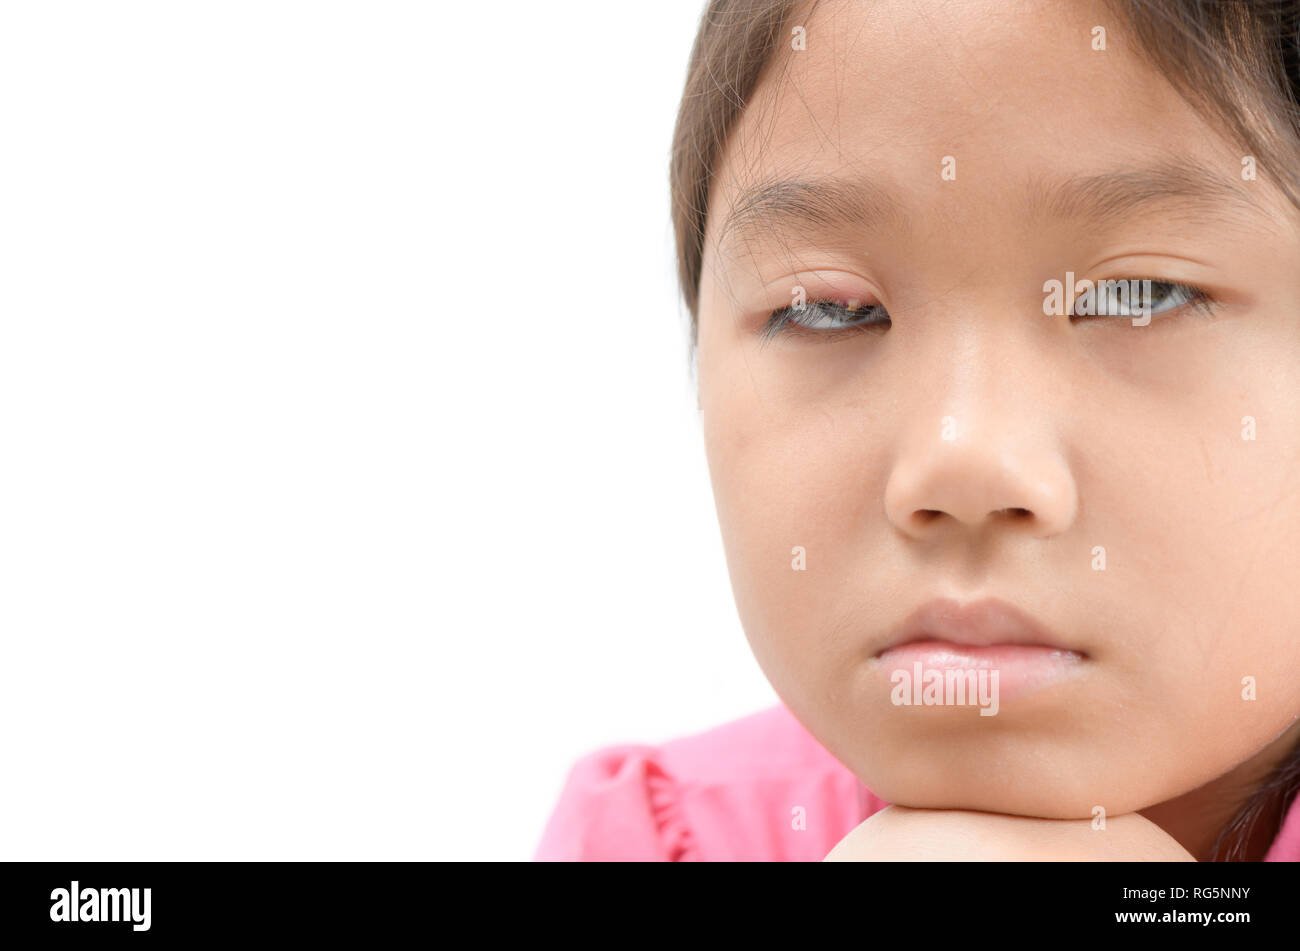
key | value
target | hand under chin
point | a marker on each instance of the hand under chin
(900, 834)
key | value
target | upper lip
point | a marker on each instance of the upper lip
(973, 623)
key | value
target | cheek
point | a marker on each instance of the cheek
(1203, 572)
(799, 495)
(1240, 586)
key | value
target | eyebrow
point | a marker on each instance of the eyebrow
(819, 205)
(810, 206)
(1116, 194)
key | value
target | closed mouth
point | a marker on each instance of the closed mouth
(972, 628)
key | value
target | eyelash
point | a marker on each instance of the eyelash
(1199, 301)
(782, 321)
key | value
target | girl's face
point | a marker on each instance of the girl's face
(938, 164)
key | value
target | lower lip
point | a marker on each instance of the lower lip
(1021, 667)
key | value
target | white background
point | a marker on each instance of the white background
(351, 479)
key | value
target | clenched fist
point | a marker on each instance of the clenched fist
(900, 834)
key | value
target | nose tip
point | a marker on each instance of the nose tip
(981, 487)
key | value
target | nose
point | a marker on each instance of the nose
(989, 473)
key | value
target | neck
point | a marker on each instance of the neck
(1197, 818)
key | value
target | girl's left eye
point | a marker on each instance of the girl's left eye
(826, 318)
(1165, 296)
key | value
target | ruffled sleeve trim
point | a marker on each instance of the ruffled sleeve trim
(669, 817)
(619, 804)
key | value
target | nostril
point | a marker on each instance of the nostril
(1015, 512)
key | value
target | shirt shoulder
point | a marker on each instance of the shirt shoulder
(759, 788)
(1286, 844)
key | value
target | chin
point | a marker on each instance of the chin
(1009, 778)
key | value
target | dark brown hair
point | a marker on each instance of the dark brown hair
(1236, 61)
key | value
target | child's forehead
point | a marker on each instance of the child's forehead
(883, 93)
(887, 78)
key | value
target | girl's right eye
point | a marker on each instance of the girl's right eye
(826, 318)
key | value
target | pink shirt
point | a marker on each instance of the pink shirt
(757, 789)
